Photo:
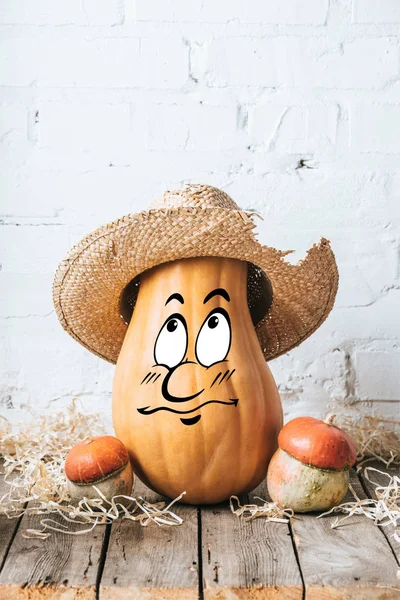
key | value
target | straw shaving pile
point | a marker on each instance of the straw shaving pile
(34, 455)
(34, 458)
(374, 436)
(34, 469)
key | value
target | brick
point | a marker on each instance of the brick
(92, 134)
(32, 249)
(367, 265)
(89, 198)
(23, 294)
(103, 13)
(314, 63)
(376, 11)
(381, 133)
(377, 375)
(164, 63)
(48, 363)
(294, 128)
(41, 12)
(87, 134)
(329, 371)
(392, 189)
(291, 12)
(321, 194)
(192, 127)
(354, 323)
(49, 12)
(296, 62)
(169, 10)
(19, 184)
(239, 61)
(158, 62)
(17, 135)
(72, 61)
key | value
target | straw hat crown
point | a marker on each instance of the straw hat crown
(195, 196)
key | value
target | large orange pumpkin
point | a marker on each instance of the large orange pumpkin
(193, 400)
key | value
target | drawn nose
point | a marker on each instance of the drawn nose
(180, 384)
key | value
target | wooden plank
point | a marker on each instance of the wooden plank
(247, 559)
(388, 530)
(352, 562)
(152, 562)
(60, 567)
(8, 527)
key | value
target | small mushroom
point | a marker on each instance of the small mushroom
(102, 462)
(310, 470)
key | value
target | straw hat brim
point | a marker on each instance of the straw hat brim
(89, 282)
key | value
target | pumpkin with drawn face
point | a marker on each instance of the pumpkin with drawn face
(194, 401)
(204, 305)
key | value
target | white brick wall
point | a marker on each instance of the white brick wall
(378, 375)
(381, 135)
(252, 11)
(292, 107)
(376, 11)
(53, 12)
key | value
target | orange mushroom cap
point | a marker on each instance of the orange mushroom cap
(318, 443)
(95, 459)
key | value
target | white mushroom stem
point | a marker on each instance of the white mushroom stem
(119, 482)
(304, 488)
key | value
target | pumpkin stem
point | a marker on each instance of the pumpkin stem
(330, 418)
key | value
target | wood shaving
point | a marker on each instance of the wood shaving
(384, 510)
(269, 510)
(375, 437)
(34, 457)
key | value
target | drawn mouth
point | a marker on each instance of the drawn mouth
(146, 410)
(192, 420)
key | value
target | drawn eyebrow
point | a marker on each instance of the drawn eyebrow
(175, 296)
(217, 292)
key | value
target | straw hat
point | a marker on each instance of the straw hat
(198, 220)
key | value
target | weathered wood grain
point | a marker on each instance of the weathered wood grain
(247, 559)
(8, 527)
(152, 562)
(60, 567)
(351, 562)
(240, 559)
(382, 480)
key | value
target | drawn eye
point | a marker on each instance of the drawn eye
(214, 338)
(171, 343)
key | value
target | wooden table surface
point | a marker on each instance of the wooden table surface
(214, 554)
